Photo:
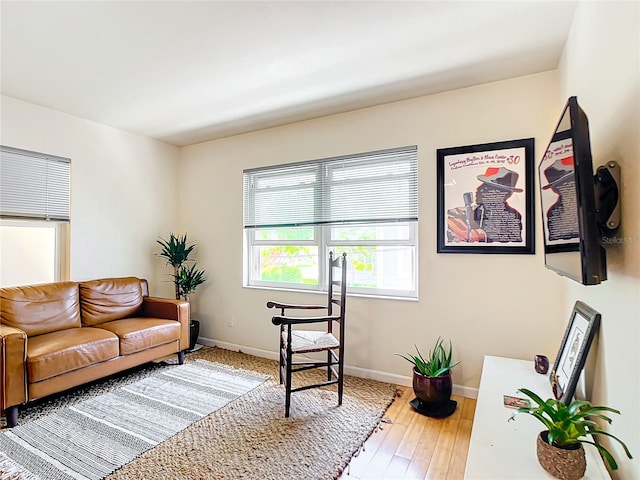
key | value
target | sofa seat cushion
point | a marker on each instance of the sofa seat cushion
(63, 351)
(137, 334)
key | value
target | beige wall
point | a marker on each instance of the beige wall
(123, 189)
(507, 305)
(601, 66)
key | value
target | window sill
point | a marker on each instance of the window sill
(324, 294)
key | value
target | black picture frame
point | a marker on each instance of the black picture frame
(485, 198)
(574, 349)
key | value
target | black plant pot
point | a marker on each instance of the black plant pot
(432, 391)
(194, 332)
(433, 395)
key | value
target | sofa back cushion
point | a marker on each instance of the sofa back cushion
(38, 309)
(110, 299)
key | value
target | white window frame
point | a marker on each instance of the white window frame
(383, 192)
(324, 245)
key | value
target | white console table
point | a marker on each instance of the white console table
(500, 449)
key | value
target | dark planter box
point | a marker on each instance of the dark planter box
(194, 332)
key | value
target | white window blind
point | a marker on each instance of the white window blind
(34, 185)
(371, 187)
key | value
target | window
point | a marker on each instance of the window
(34, 217)
(32, 252)
(365, 205)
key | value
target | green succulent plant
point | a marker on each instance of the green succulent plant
(438, 362)
(568, 425)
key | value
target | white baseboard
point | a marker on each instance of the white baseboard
(256, 352)
(468, 392)
(460, 390)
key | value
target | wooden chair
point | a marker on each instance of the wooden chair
(295, 342)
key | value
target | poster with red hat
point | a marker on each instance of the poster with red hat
(558, 194)
(485, 198)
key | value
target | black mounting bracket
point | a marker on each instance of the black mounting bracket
(607, 188)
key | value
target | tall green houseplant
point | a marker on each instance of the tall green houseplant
(177, 252)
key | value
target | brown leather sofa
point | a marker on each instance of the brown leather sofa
(59, 335)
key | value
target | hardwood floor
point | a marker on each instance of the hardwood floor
(413, 446)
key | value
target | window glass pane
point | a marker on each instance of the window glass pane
(380, 267)
(27, 255)
(279, 234)
(288, 264)
(370, 232)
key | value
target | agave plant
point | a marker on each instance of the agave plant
(569, 425)
(438, 362)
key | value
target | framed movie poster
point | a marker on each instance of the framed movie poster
(485, 198)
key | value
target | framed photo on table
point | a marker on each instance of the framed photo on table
(583, 325)
(485, 198)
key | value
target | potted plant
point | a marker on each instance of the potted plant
(186, 278)
(432, 382)
(559, 447)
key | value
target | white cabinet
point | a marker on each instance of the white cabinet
(500, 449)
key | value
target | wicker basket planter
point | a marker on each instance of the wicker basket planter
(562, 463)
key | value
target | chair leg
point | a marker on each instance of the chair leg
(288, 358)
(181, 357)
(329, 365)
(287, 387)
(340, 377)
(12, 416)
(282, 362)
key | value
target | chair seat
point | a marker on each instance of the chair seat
(303, 341)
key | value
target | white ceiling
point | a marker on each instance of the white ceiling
(186, 72)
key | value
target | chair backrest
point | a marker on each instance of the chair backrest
(337, 287)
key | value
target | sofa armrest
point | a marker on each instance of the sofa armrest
(13, 359)
(169, 309)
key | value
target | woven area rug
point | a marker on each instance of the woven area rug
(92, 439)
(250, 438)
